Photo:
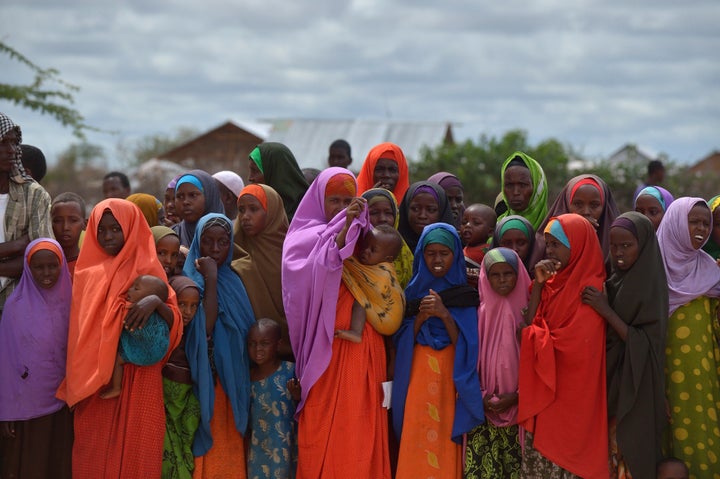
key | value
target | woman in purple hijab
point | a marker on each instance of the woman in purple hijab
(692, 355)
(36, 427)
(342, 426)
(454, 191)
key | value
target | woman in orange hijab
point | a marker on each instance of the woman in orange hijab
(385, 167)
(123, 436)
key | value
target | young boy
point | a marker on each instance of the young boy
(478, 223)
(142, 346)
(69, 220)
(274, 392)
(382, 244)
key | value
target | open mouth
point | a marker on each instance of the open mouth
(621, 262)
(699, 238)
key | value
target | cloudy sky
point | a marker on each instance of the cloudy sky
(593, 73)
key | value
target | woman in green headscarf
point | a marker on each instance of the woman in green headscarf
(712, 247)
(274, 164)
(525, 188)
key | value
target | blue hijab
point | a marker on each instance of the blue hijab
(235, 316)
(469, 411)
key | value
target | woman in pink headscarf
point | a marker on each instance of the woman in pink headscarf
(342, 426)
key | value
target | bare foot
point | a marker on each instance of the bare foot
(348, 335)
(110, 393)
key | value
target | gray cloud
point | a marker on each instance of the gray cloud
(593, 74)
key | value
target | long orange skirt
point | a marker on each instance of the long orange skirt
(426, 450)
(226, 457)
(342, 430)
(122, 437)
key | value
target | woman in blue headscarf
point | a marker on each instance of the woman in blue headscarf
(216, 350)
(436, 386)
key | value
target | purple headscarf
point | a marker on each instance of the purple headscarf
(33, 343)
(691, 272)
(659, 193)
(311, 276)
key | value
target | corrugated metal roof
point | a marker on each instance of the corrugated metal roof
(309, 140)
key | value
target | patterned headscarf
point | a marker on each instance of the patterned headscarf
(18, 173)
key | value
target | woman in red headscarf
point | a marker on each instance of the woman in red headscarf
(385, 167)
(562, 401)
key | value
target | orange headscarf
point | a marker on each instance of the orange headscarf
(99, 301)
(392, 152)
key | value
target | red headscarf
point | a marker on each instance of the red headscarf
(392, 152)
(99, 299)
(562, 362)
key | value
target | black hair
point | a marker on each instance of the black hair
(671, 460)
(158, 286)
(34, 160)
(124, 180)
(389, 231)
(517, 161)
(654, 166)
(70, 197)
(269, 324)
(343, 145)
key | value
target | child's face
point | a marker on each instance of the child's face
(188, 301)
(138, 290)
(45, 268)
(587, 202)
(502, 278)
(251, 215)
(557, 251)
(381, 213)
(215, 243)
(170, 206)
(423, 210)
(189, 203)
(110, 234)
(167, 249)
(455, 198)
(699, 221)
(517, 241)
(650, 207)
(438, 259)
(67, 224)
(624, 248)
(373, 250)
(262, 345)
(475, 227)
(182, 255)
(386, 174)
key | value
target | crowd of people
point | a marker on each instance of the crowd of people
(321, 324)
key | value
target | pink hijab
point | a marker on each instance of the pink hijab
(499, 319)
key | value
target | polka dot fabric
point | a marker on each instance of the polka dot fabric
(693, 387)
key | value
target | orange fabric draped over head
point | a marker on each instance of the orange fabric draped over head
(392, 152)
(562, 387)
(99, 302)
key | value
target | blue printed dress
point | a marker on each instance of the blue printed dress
(273, 436)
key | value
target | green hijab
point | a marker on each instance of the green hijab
(281, 171)
(537, 207)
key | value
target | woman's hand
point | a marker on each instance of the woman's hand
(596, 299)
(498, 403)
(354, 209)
(432, 305)
(139, 313)
(546, 269)
(207, 267)
(7, 429)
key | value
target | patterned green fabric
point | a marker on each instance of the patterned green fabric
(182, 411)
(537, 209)
(493, 452)
(537, 466)
(692, 368)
